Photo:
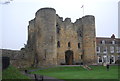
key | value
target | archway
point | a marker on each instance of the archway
(69, 57)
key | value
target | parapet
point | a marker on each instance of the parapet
(31, 21)
(88, 19)
(31, 24)
(45, 9)
(60, 18)
(67, 20)
(78, 21)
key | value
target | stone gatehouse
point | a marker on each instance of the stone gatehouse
(54, 41)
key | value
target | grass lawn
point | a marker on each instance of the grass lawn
(77, 72)
(13, 73)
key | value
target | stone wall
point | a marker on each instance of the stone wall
(47, 30)
(81, 32)
(18, 58)
(68, 34)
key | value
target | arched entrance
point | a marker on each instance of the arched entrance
(69, 57)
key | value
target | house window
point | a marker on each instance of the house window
(108, 59)
(112, 59)
(69, 44)
(104, 49)
(104, 59)
(117, 49)
(113, 42)
(58, 44)
(103, 41)
(111, 49)
(99, 59)
(98, 49)
(78, 45)
(119, 57)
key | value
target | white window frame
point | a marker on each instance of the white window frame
(117, 49)
(113, 42)
(108, 59)
(104, 48)
(118, 57)
(113, 59)
(103, 41)
(104, 57)
(112, 49)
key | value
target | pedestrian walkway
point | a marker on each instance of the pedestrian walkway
(52, 67)
(46, 78)
(40, 77)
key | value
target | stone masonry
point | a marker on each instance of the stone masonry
(54, 41)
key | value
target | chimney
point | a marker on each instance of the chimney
(113, 36)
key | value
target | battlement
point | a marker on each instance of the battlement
(54, 37)
(88, 19)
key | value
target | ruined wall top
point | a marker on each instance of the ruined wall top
(87, 19)
(45, 9)
(45, 13)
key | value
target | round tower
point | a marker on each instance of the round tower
(89, 39)
(45, 23)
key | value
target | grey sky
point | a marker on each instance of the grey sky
(14, 17)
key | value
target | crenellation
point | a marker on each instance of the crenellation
(52, 41)
(67, 20)
(59, 18)
(88, 19)
(69, 35)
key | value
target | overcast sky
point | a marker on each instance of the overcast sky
(14, 17)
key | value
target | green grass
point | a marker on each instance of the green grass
(13, 73)
(77, 72)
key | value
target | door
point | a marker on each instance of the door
(69, 57)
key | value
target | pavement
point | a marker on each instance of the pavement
(45, 78)
(40, 77)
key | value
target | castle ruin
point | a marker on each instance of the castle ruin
(53, 41)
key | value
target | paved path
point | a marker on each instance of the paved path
(45, 78)
(52, 67)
